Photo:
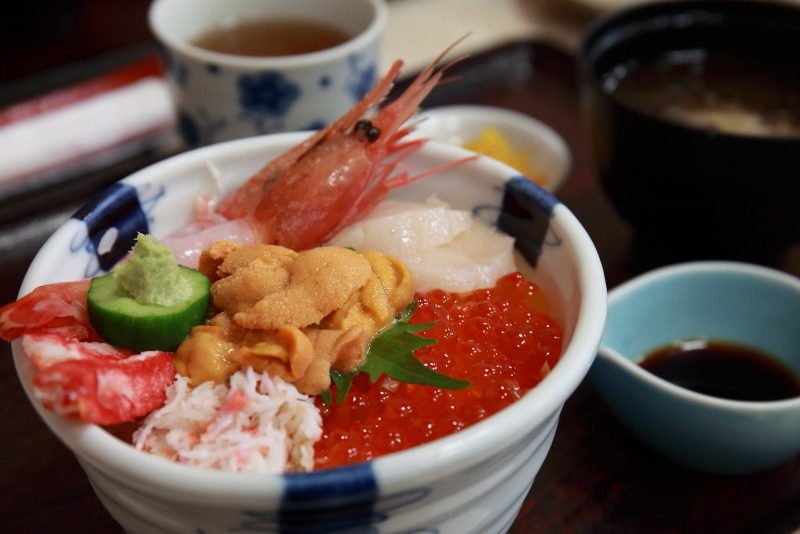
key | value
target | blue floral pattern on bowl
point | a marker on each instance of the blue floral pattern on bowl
(525, 215)
(113, 219)
(188, 128)
(199, 129)
(176, 69)
(242, 100)
(362, 75)
(266, 96)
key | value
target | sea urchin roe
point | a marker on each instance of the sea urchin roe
(499, 339)
(295, 315)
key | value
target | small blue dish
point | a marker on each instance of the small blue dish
(728, 301)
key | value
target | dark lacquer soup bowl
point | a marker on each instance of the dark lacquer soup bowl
(694, 113)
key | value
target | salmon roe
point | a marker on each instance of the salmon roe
(501, 340)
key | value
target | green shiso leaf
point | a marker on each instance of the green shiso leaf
(342, 382)
(391, 352)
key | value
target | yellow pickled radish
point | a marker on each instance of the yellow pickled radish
(491, 142)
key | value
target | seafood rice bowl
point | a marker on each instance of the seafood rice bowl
(350, 330)
(446, 485)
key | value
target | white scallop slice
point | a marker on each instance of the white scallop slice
(475, 259)
(401, 228)
(444, 248)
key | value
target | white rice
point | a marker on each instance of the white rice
(258, 424)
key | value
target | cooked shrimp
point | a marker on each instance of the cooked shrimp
(303, 197)
(77, 374)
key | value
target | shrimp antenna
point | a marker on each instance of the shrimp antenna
(407, 104)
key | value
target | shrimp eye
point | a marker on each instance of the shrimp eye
(362, 125)
(372, 134)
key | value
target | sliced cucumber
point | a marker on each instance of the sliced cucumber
(123, 322)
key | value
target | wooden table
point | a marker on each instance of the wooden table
(597, 477)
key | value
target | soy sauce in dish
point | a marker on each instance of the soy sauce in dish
(723, 369)
(270, 38)
(714, 90)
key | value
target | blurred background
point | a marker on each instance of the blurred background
(39, 35)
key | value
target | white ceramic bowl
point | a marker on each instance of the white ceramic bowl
(546, 150)
(472, 481)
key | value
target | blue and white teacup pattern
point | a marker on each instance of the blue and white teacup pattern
(220, 97)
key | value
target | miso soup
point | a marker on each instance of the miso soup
(716, 91)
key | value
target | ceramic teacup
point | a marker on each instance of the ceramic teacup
(735, 302)
(221, 96)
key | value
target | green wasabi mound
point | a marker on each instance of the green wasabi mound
(149, 302)
(151, 275)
